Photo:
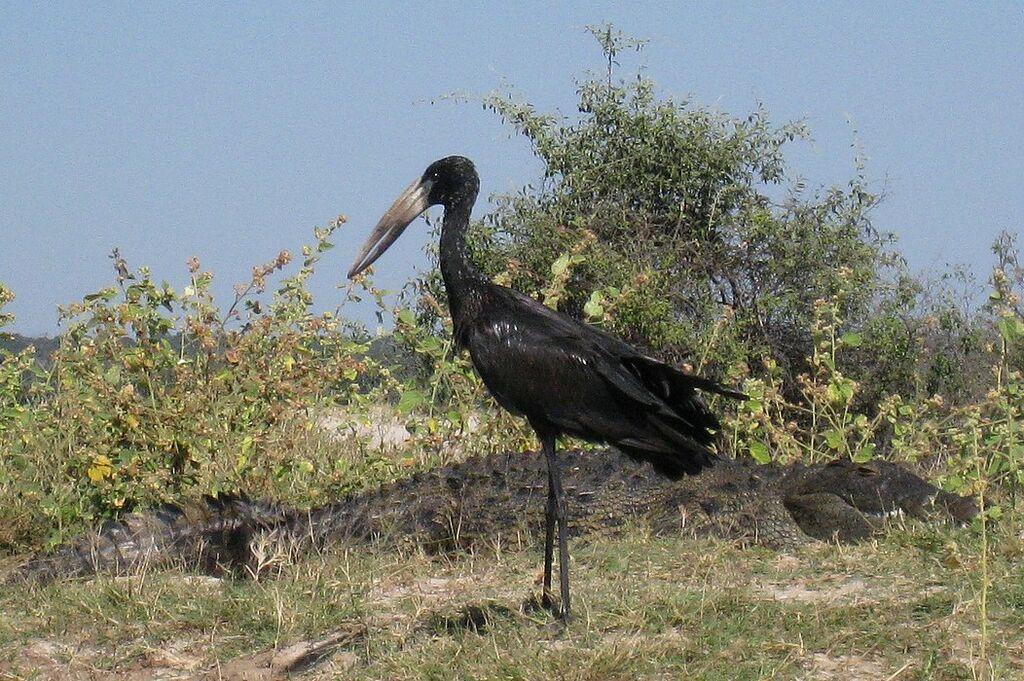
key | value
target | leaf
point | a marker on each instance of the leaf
(840, 390)
(835, 439)
(430, 345)
(1010, 328)
(409, 400)
(754, 406)
(852, 339)
(865, 453)
(559, 266)
(406, 316)
(105, 294)
(994, 512)
(593, 308)
(102, 467)
(759, 452)
(952, 561)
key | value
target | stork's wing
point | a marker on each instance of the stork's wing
(575, 379)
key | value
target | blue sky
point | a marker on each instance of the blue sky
(229, 131)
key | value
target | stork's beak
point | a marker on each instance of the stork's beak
(404, 210)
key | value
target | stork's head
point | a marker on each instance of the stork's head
(450, 181)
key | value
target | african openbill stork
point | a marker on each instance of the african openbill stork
(565, 377)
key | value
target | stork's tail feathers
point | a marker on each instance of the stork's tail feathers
(697, 457)
(685, 421)
(671, 384)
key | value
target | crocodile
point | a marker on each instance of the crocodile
(487, 501)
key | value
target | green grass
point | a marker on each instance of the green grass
(904, 607)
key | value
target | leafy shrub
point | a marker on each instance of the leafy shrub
(154, 393)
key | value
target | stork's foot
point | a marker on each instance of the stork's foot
(554, 629)
(548, 603)
(545, 602)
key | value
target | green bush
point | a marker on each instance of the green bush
(686, 220)
(154, 393)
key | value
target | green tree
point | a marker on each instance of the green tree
(684, 229)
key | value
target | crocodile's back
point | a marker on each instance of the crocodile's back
(494, 498)
(500, 499)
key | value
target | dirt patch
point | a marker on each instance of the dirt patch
(838, 590)
(302, 656)
(46, 660)
(846, 591)
(399, 606)
(43, 660)
(428, 590)
(852, 668)
(174, 656)
(378, 427)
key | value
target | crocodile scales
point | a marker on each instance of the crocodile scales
(488, 500)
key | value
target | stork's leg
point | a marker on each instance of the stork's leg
(556, 512)
(549, 534)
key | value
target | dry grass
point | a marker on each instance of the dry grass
(901, 608)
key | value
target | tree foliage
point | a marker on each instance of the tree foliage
(683, 221)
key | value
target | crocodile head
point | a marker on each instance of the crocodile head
(845, 500)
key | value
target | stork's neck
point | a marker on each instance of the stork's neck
(457, 268)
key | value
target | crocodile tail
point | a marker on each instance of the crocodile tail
(213, 534)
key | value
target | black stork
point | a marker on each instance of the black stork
(565, 377)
